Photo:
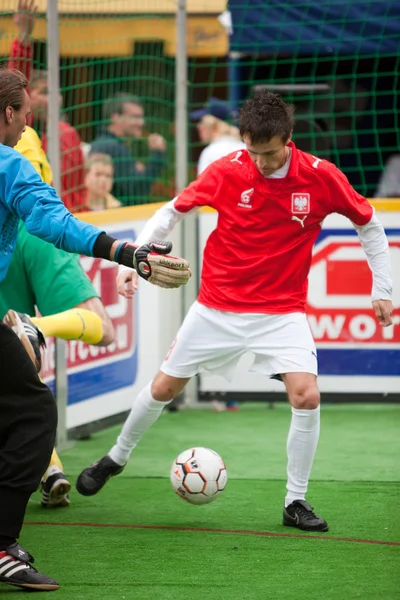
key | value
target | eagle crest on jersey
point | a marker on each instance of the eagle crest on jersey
(300, 203)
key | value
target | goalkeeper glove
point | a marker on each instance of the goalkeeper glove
(153, 263)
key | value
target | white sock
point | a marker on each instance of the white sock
(145, 411)
(301, 446)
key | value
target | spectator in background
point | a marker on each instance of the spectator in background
(215, 130)
(21, 49)
(124, 119)
(389, 183)
(71, 160)
(99, 181)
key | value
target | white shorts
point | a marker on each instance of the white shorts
(213, 341)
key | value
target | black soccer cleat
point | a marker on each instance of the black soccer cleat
(55, 491)
(30, 335)
(93, 478)
(301, 515)
(16, 570)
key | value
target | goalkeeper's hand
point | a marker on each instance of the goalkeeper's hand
(152, 262)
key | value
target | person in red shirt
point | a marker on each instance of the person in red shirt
(271, 200)
(72, 166)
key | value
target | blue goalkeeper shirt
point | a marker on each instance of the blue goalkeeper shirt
(23, 195)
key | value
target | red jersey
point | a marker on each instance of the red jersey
(258, 258)
(72, 168)
(21, 57)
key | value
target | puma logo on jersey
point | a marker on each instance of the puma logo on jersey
(316, 162)
(236, 158)
(301, 221)
(245, 198)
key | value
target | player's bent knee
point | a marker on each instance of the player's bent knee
(165, 388)
(305, 399)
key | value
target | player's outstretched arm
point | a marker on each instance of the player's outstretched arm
(161, 224)
(44, 214)
(346, 201)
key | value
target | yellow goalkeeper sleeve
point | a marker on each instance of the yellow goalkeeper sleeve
(75, 324)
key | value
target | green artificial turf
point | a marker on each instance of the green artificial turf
(355, 486)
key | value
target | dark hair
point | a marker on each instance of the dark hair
(266, 116)
(115, 104)
(12, 84)
(37, 76)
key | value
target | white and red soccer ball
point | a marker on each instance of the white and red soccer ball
(198, 475)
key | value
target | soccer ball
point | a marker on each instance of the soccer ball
(198, 475)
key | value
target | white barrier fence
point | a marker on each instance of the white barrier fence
(355, 353)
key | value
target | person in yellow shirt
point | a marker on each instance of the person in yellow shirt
(70, 312)
(31, 147)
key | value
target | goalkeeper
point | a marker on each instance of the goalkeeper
(27, 408)
(44, 274)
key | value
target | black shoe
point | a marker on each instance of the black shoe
(16, 570)
(92, 479)
(55, 491)
(301, 515)
(30, 335)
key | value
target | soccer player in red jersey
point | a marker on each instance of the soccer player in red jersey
(271, 200)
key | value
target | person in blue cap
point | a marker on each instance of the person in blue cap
(215, 127)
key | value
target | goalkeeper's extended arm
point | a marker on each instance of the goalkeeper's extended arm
(151, 261)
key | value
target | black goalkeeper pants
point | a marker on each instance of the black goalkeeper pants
(28, 422)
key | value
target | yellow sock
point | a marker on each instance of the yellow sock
(74, 324)
(54, 462)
